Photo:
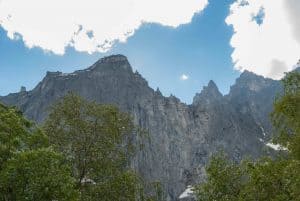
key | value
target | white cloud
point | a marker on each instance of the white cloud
(184, 77)
(293, 8)
(267, 35)
(89, 25)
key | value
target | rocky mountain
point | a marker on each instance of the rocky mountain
(181, 137)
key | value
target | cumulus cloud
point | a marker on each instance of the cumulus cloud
(184, 77)
(266, 37)
(293, 9)
(89, 25)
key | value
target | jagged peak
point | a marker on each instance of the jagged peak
(209, 92)
(211, 89)
(212, 86)
(251, 81)
(249, 74)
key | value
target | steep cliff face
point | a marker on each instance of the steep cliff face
(181, 137)
(254, 95)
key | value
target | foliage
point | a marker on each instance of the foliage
(286, 115)
(17, 134)
(275, 179)
(37, 175)
(224, 180)
(151, 191)
(267, 179)
(28, 168)
(96, 141)
(121, 187)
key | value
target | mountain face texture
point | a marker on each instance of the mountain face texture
(181, 137)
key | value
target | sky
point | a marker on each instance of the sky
(176, 45)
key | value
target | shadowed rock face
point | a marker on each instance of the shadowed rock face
(254, 95)
(181, 137)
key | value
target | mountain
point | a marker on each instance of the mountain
(181, 137)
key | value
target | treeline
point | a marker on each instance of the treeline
(269, 178)
(82, 152)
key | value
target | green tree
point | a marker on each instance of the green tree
(266, 179)
(96, 140)
(286, 115)
(27, 168)
(17, 134)
(224, 180)
(37, 175)
(276, 180)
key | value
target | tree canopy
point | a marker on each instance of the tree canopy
(29, 168)
(96, 141)
(286, 115)
(37, 175)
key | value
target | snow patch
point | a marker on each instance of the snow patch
(189, 192)
(276, 147)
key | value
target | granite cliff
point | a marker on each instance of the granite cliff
(181, 137)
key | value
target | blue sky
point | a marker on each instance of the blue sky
(200, 49)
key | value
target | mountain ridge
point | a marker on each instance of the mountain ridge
(182, 136)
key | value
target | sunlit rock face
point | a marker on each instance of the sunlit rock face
(181, 137)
